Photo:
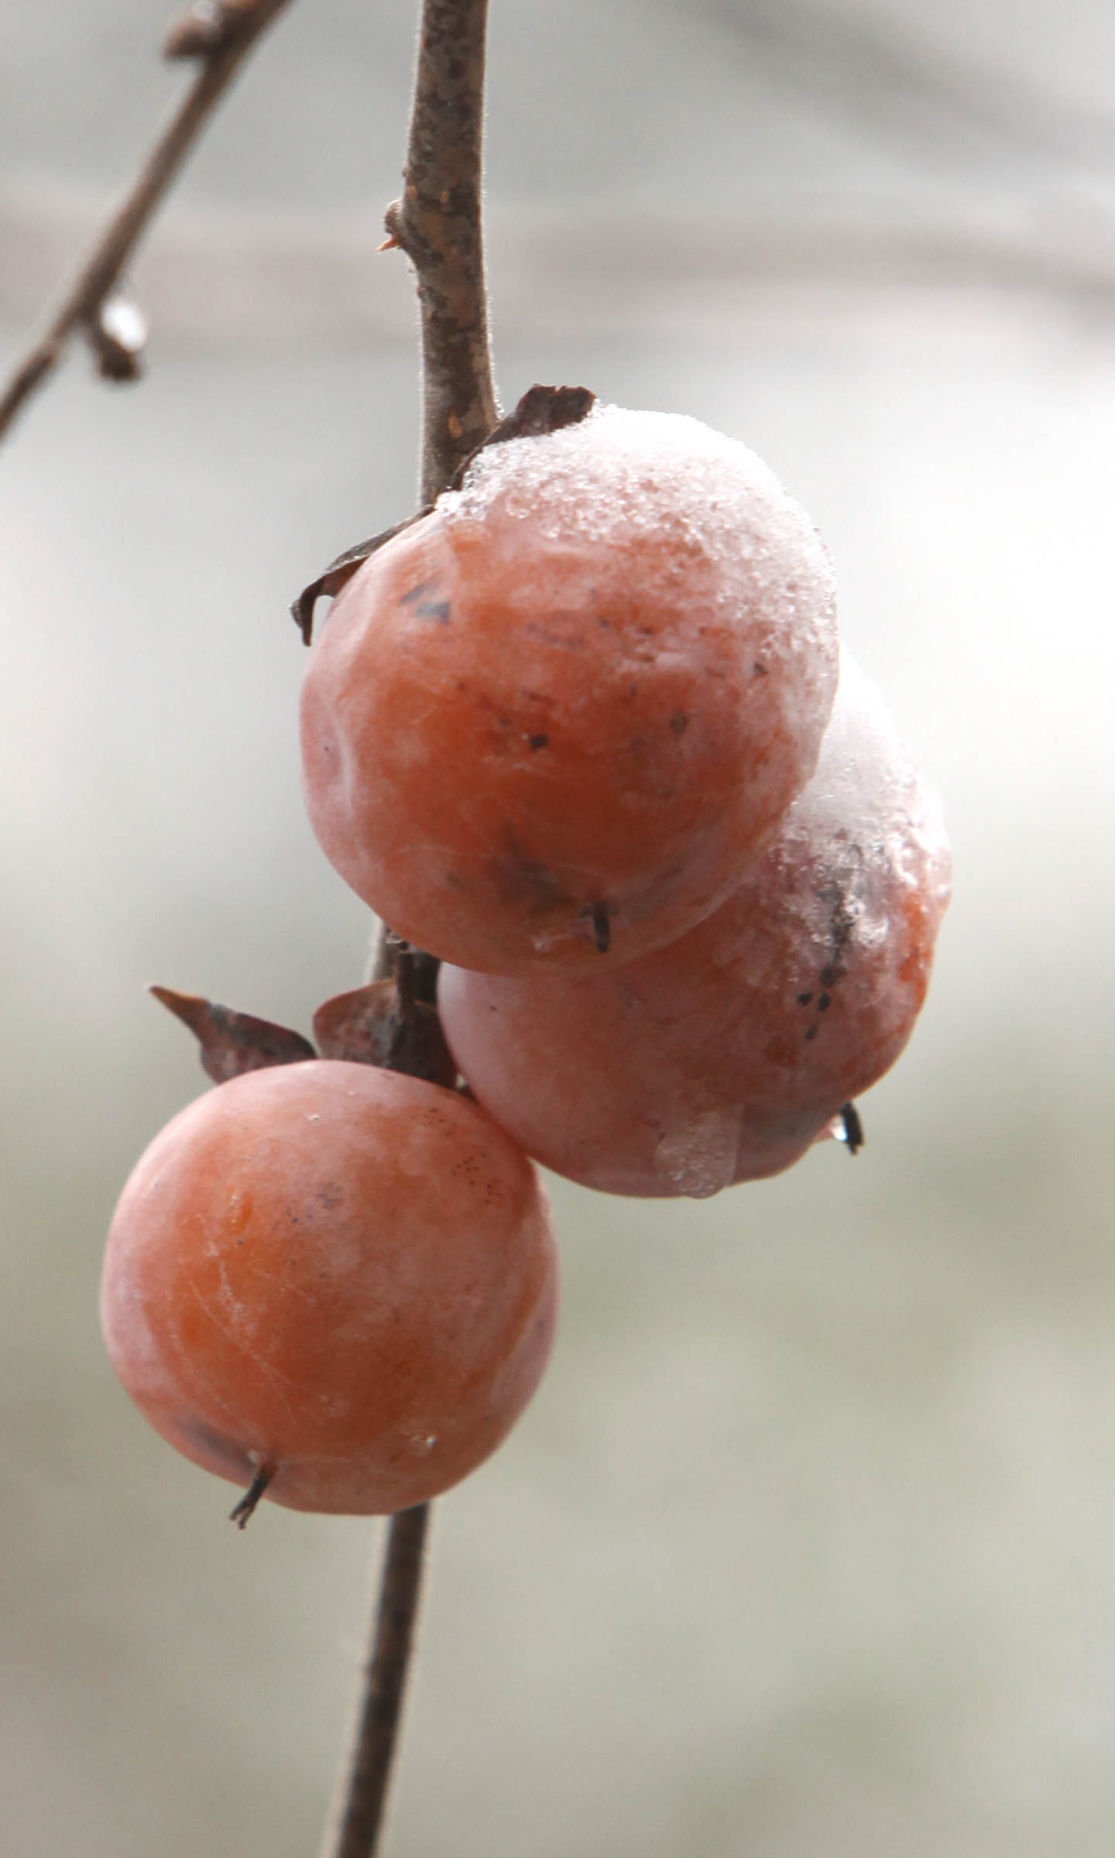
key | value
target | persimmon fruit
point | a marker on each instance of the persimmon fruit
(334, 1274)
(724, 1057)
(548, 722)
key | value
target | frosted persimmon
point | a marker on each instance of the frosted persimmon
(335, 1274)
(724, 1057)
(550, 720)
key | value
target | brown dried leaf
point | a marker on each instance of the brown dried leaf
(231, 1042)
(371, 1025)
(357, 1026)
(339, 571)
(541, 410)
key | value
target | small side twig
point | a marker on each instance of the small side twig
(219, 33)
(364, 1782)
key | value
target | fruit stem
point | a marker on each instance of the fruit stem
(367, 1768)
(241, 1513)
(437, 223)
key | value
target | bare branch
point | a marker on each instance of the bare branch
(234, 30)
(437, 223)
(356, 1833)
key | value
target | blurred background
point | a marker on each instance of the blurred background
(806, 1549)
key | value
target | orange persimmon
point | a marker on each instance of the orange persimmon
(724, 1057)
(549, 721)
(335, 1274)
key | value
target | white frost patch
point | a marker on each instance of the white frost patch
(701, 1158)
(619, 475)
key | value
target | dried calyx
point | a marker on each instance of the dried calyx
(541, 410)
(391, 1023)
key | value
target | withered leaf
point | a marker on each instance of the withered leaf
(541, 410)
(341, 570)
(372, 1025)
(231, 1042)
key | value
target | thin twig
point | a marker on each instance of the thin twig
(437, 223)
(364, 1791)
(98, 275)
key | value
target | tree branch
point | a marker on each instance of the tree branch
(220, 33)
(437, 222)
(368, 1770)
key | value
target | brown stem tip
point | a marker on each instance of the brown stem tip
(242, 1512)
(853, 1128)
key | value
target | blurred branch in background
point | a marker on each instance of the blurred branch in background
(1020, 198)
(219, 34)
(890, 75)
(223, 279)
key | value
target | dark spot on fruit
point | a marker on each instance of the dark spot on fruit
(831, 974)
(552, 635)
(539, 741)
(518, 876)
(679, 722)
(824, 1003)
(758, 669)
(804, 999)
(424, 608)
(205, 1439)
(811, 1033)
(601, 927)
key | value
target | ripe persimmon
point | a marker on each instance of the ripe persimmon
(335, 1275)
(724, 1057)
(549, 721)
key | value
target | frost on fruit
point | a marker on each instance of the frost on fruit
(549, 721)
(724, 1057)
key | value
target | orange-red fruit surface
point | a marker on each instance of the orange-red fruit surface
(723, 1058)
(550, 720)
(337, 1271)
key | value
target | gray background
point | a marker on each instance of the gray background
(807, 1545)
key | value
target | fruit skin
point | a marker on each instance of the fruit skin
(724, 1057)
(337, 1270)
(548, 721)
